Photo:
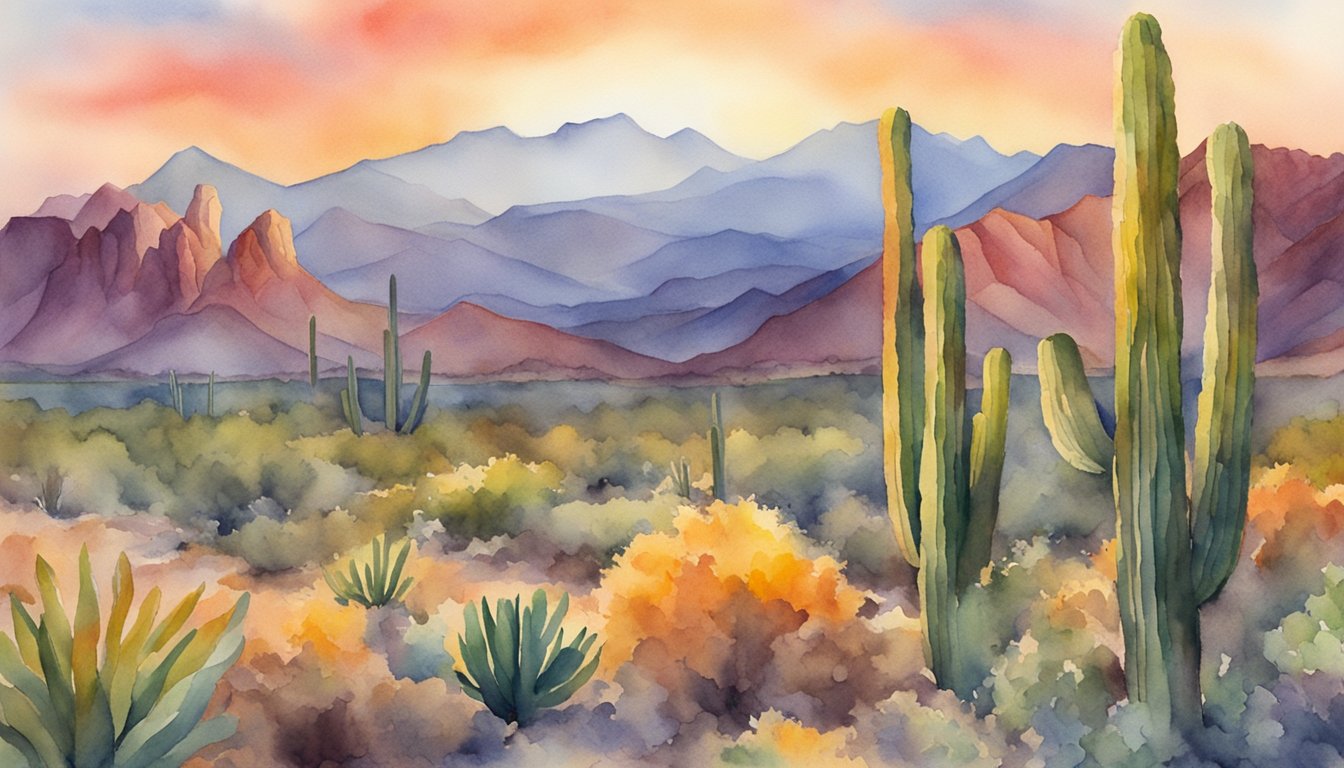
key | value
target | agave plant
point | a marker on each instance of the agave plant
(518, 663)
(51, 493)
(141, 706)
(379, 582)
(681, 478)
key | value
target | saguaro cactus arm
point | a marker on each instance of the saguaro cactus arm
(1069, 408)
(943, 481)
(989, 437)
(902, 336)
(1223, 427)
(421, 399)
(350, 398)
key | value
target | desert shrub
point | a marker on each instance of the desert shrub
(776, 741)
(793, 470)
(736, 612)
(488, 500)
(1056, 683)
(268, 544)
(933, 729)
(604, 528)
(1314, 446)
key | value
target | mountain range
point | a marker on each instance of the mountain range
(605, 251)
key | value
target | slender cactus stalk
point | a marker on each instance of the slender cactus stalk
(989, 439)
(1223, 427)
(943, 475)
(350, 399)
(312, 351)
(942, 494)
(717, 448)
(210, 397)
(1158, 613)
(902, 336)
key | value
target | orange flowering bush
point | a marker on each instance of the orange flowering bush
(736, 612)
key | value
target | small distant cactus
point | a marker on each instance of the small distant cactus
(350, 399)
(312, 351)
(175, 399)
(392, 373)
(51, 492)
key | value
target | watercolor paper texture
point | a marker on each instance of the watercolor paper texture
(876, 382)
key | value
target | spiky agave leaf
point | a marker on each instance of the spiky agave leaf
(142, 707)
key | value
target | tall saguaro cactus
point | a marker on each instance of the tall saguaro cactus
(1165, 571)
(902, 335)
(943, 476)
(1158, 616)
(942, 485)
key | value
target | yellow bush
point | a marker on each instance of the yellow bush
(737, 610)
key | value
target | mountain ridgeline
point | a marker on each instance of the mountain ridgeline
(603, 251)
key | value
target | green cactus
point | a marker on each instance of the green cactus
(943, 474)
(175, 395)
(957, 495)
(418, 403)
(902, 336)
(1223, 426)
(210, 397)
(989, 439)
(516, 659)
(312, 351)
(1070, 412)
(350, 399)
(392, 374)
(1165, 571)
(717, 449)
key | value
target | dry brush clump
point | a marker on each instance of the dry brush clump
(737, 612)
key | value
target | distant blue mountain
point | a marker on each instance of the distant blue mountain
(829, 183)
(370, 194)
(432, 273)
(679, 336)
(730, 250)
(676, 296)
(1054, 183)
(669, 246)
(586, 246)
(497, 168)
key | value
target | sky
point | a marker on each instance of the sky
(106, 90)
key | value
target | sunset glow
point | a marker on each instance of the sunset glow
(97, 90)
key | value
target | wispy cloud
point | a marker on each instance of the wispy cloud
(92, 90)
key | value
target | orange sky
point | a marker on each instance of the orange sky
(100, 90)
